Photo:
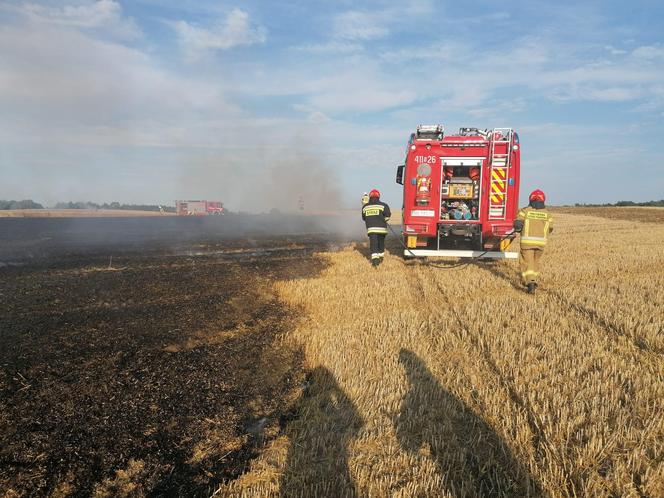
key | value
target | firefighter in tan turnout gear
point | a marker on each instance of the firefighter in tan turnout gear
(535, 224)
(375, 215)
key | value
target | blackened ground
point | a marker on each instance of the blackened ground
(159, 372)
(24, 239)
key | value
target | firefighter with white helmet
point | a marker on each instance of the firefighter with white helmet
(365, 198)
(375, 215)
(535, 224)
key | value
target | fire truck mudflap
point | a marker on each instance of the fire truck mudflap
(460, 195)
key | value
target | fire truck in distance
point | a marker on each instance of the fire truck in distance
(461, 192)
(198, 208)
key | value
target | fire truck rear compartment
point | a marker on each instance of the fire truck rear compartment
(460, 189)
(459, 202)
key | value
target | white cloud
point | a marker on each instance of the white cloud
(234, 30)
(549, 70)
(615, 51)
(351, 28)
(466, 77)
(614, 94)
(355, 85)
(359, 25)
(649, 52)
(91, 90)
(313, 116)
(103, 14)
(444, 53)
(332, 47)
(362, 100)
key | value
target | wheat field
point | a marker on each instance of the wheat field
(454, 382)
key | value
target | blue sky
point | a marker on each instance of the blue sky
(256, 103)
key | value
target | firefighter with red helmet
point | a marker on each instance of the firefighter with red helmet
(375, 215)
(535, 224)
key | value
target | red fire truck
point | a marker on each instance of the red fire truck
(198, 208)
(461, 192)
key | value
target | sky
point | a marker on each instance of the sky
(258, 103)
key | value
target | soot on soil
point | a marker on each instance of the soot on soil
(159, 373)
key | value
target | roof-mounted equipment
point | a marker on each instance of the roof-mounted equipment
(474, 132)
(430, 132)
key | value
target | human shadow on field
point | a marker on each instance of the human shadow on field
(327, 421)
(363, 248)
(394, 244)
(471, 458)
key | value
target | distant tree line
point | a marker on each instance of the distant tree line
(112, 205)
(24, 204)
(30, 204)
(659, 203)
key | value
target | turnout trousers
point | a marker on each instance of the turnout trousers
(529, 258)
(377, 245)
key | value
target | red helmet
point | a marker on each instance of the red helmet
(374, 193)
(537, 195)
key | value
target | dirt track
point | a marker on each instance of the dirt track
(161, 368)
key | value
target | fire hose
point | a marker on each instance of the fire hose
(509, 235)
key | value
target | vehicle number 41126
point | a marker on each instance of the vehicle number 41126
(425, 159)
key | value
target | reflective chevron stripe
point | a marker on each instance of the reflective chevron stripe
(498, 174)
(498, 186)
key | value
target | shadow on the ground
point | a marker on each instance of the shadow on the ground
(501, 271)
(363, 248)
(471, 458)
(317, 462)
(394, 243)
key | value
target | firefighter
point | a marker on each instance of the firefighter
(535, 224)
(375, 215)
(365, 199)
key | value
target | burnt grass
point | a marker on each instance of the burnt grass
(159, 374)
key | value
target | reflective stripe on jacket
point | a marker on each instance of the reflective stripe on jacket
(537, 225)
(375, 215)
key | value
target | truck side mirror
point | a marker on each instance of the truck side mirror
(400, 174)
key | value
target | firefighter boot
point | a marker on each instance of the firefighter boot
(531, 287)
(375, 262)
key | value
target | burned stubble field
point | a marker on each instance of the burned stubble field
(126, 370)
